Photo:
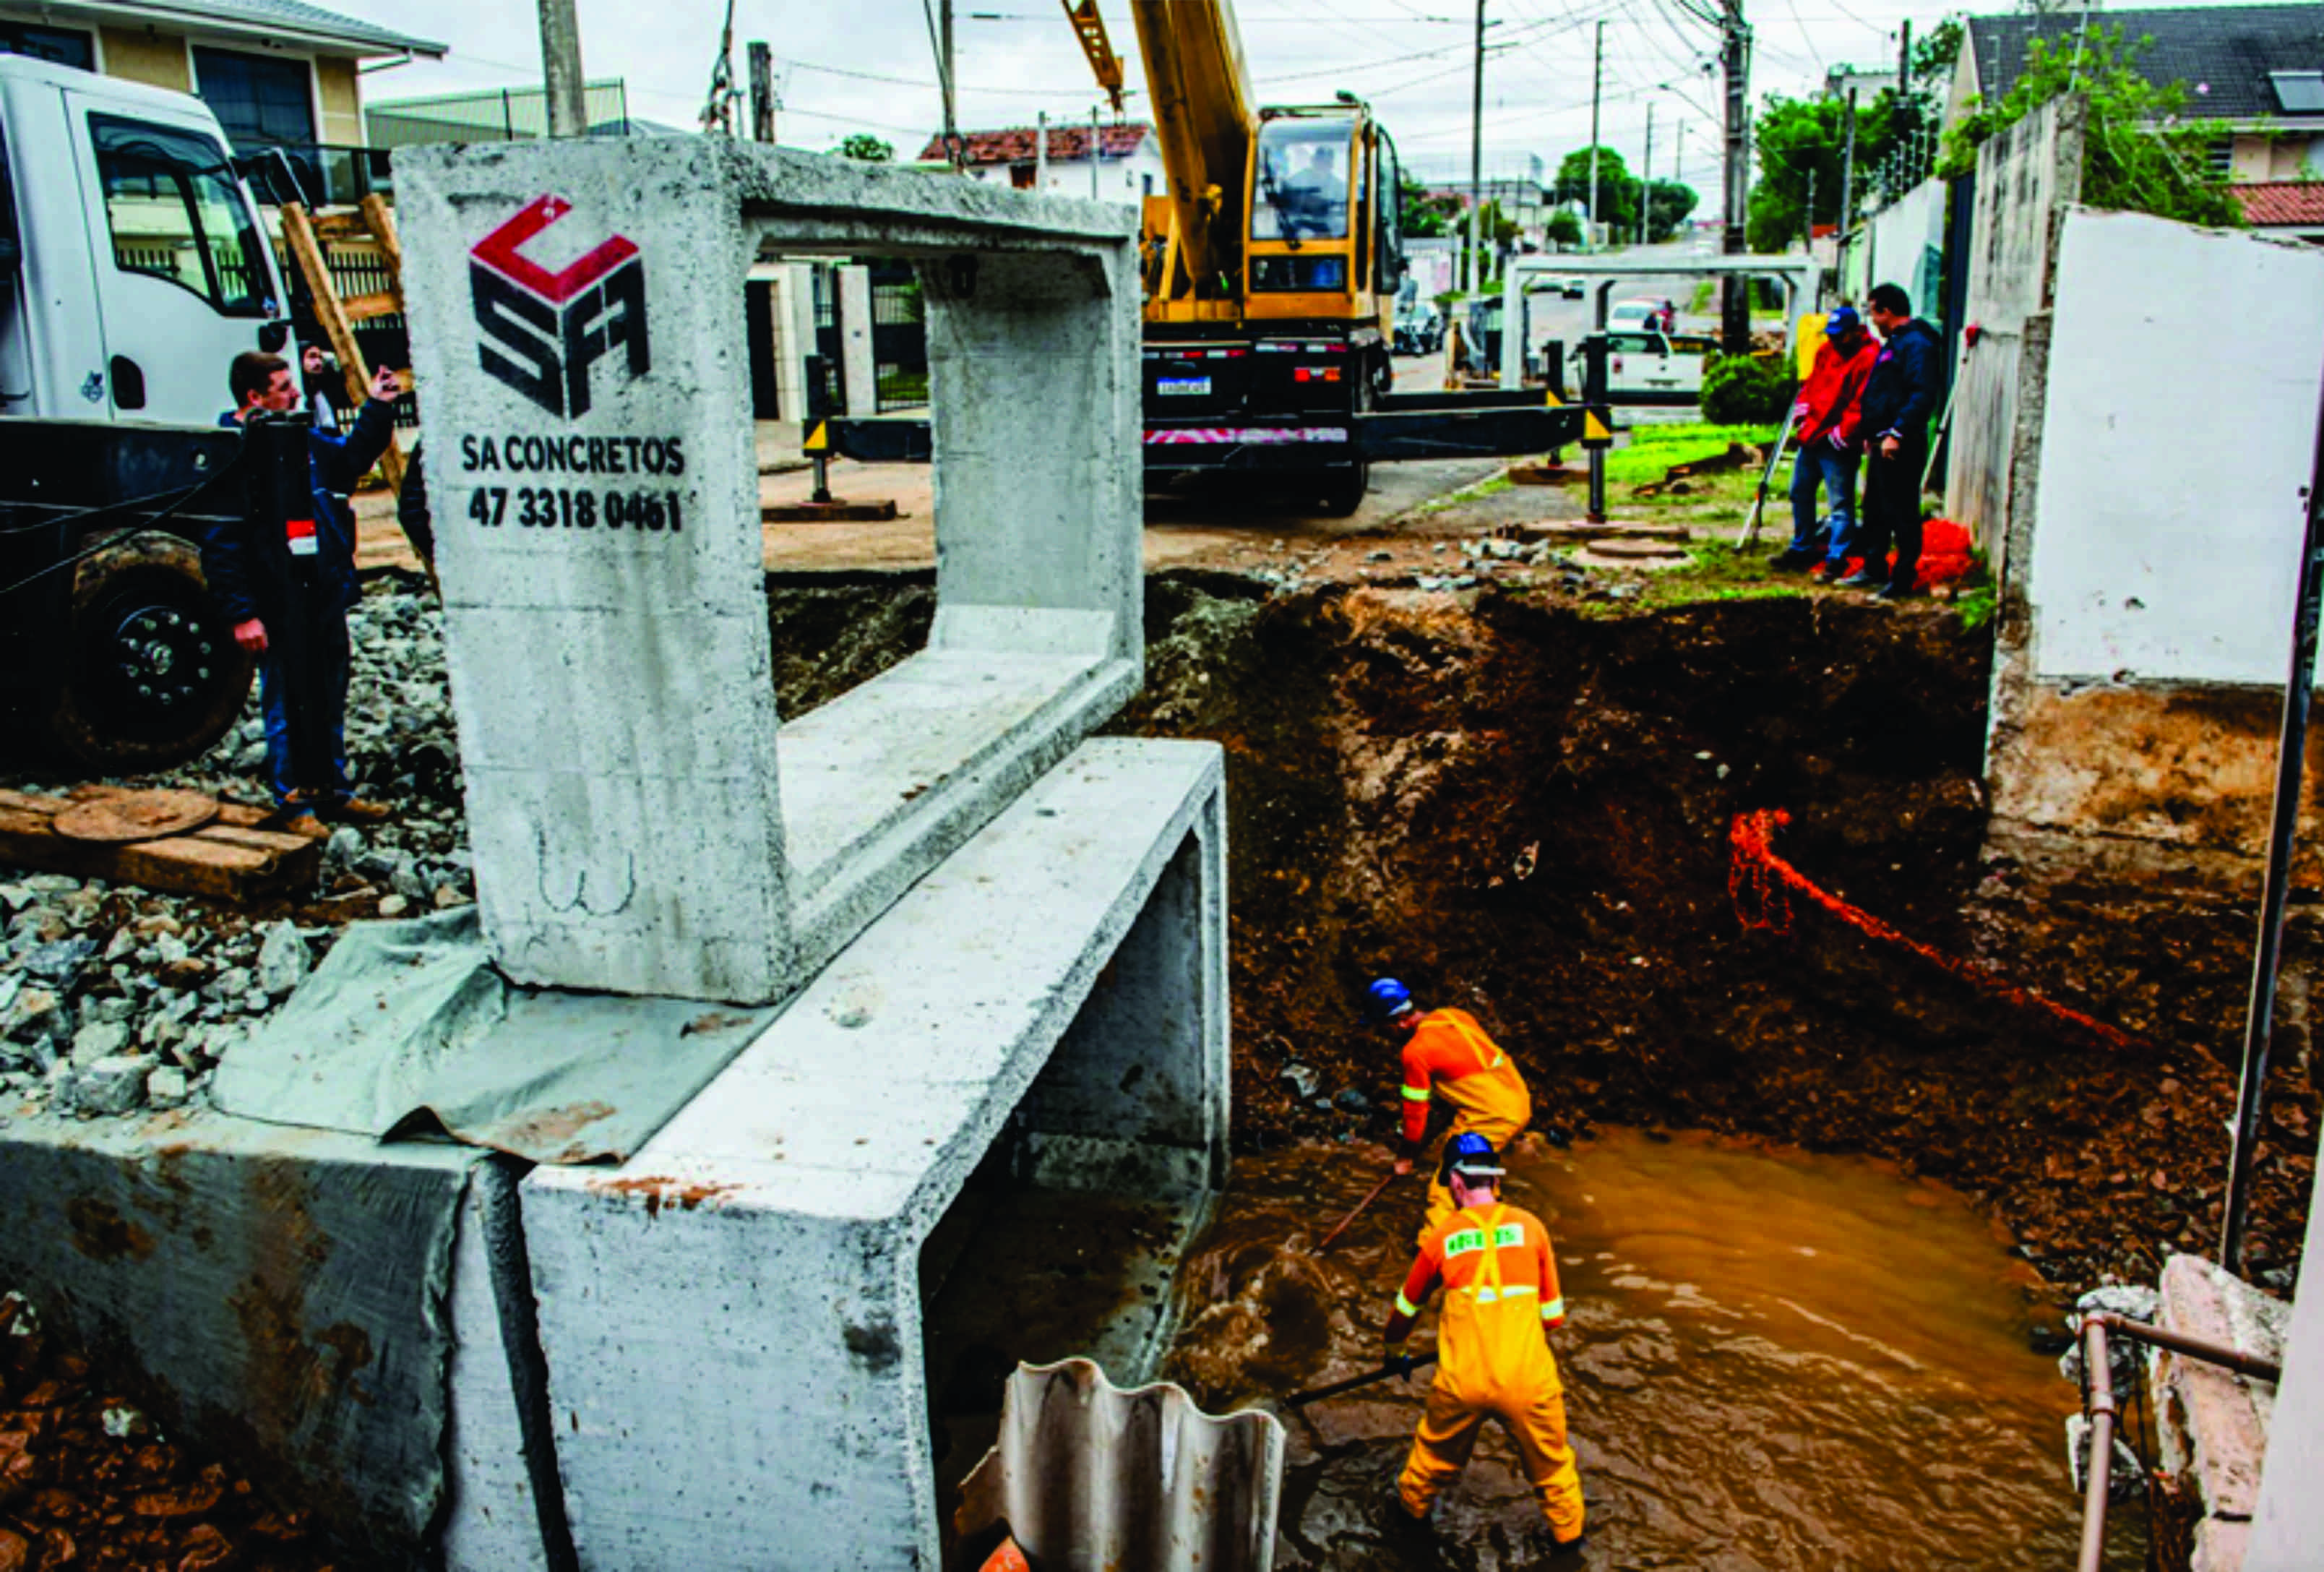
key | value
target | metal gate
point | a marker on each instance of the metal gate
(830, 361)
(899, 336)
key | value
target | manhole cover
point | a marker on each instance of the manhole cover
(133, 815)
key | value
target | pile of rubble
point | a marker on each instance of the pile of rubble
(114, 999)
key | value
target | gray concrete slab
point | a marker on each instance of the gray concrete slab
(577, 322)
(310, 1303)
(732, 1319)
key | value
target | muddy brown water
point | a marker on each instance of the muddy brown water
(1774, 1360)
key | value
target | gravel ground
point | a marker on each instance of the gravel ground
(114, 999)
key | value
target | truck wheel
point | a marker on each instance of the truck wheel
(154, 676)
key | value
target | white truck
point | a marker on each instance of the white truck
(133, 268)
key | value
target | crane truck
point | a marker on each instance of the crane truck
(1271, 267)
(133, 268)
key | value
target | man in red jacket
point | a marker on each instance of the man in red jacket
(1823, 422)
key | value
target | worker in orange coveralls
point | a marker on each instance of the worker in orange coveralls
(1447, 1054)
(1501, 1299)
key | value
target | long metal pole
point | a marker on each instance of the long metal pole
(1904, 62)
(2290, 754)
(1646, 181)
(1041, 153)
(1095, 151)
(1847, 185)
(1476, 269)
(1596, 91)
(560, 69)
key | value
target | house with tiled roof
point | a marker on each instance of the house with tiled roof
(1128, 159)
(2258, 68)
(276, 73)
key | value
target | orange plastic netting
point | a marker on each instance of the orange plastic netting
(1762, 883)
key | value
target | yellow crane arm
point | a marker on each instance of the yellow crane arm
(1104, 64)
(1204, 120)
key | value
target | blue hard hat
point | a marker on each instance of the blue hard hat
(1386, 998)
(1842, 320)
(1472, 1156)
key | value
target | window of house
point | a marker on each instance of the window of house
(176, 213)
(1020, 176)
(2219, 157)
(60, 44)
(2297, 92)
(261, 100)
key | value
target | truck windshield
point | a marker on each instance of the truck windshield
(176, 213)
(1303, 180)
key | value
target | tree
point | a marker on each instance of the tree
(866, 148)
(1618, 190)
(1564, 230)
(1668, 205)
(1421, 215)
(2141, 157)
(1935, 55)
(1802, 143)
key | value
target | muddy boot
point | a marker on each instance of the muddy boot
(1414, 1540)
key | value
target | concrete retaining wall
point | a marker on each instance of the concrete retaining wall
(2025, 177)
(2138, 692)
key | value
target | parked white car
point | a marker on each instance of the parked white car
(1648, 367)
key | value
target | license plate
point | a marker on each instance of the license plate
(1183, 386)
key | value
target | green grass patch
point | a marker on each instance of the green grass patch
(1652, 450)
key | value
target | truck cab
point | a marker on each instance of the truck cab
(132, 270)
(133, 266)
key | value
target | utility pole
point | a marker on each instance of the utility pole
(1476, 268)
(1734, 297)
(762, 92)
(952, 148)
(1810, 225)
(1646, 181)
(1904, 62)
(1041, 154)
(1596, 91)
(560, 69)
(1848, 173)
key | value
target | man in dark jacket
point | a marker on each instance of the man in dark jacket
(289, 602)
(1894, 422)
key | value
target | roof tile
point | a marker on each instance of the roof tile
(1018, 145)
(2272, 202)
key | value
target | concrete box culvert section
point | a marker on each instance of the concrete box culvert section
(719, 1351)
(642, 822)
(738, 1322)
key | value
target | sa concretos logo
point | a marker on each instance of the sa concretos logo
(544, 330)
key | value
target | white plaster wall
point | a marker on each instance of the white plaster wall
(2178, 433)
(2289, 1525)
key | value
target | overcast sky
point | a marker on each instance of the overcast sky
(867, 65)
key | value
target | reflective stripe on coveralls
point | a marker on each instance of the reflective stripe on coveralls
(1449, 1055)
(1492, 1358)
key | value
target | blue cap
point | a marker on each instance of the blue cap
(1387, 999)
(1472, 1156)
(1843, 320)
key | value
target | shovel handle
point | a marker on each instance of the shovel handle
(1300, 1400)
(1342, 1227)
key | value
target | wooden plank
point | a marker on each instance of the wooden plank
(379, 218)
(231, 861)
(364, 307)
(299, 239)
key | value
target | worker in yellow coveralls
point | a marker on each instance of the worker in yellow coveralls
(1492, 1348)
(1446, 1054)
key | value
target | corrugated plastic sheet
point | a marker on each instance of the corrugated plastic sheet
(1089, 1478)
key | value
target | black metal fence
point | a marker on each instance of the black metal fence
(899, 338)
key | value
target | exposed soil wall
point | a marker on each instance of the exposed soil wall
(1524, 809)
